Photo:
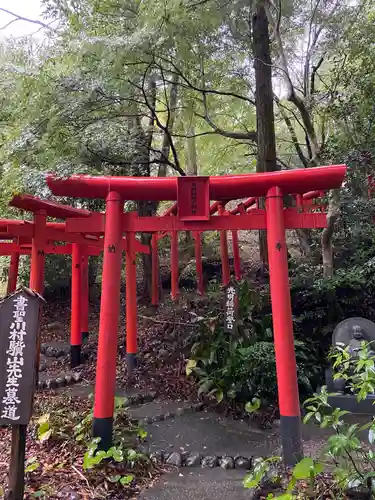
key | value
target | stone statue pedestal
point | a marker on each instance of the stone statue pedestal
(349, 402)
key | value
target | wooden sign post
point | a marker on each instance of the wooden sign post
(231, 308)
(19, 325)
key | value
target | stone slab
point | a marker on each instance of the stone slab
(211, 434)
(350, 403)
(84, 391)
(43, 376)
(201, 484)
(157, 408)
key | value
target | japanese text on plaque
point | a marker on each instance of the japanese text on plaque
(15, 359)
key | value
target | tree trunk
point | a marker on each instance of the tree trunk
(191, 164)
(192, 167)
(147, 209)
(264, 107)
(332, 216)
(304, 241)
(166, 147)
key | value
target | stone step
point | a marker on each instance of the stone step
(57, 380)
(134, 397)
(156, 411)
(55, 349)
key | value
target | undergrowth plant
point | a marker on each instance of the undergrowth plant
(241, 365)
(60, 426)
(347, 461)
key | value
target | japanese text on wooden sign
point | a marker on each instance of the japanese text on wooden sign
(19, 316)
(231, 308)
(193, 198)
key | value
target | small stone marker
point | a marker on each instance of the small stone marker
(19, 322)
(231, 308)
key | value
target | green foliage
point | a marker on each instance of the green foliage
(253, 406)
(305, 470)
(31, 465)
(243, 366)
(57, 425)
(260, 467)
(96, 97)
(345, 456)
(95, 456)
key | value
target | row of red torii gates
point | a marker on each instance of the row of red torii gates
(86, 233)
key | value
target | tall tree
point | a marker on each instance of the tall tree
(266, 140)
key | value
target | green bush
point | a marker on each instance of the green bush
(347, 461)
(242, 366)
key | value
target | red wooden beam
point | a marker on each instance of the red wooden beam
(105, 385)
(243, 206)
(255, 219)
(9, 248)
(287, 384)
(224, 187)
(85, 296)
(225, 270)
(57, 210)
(75, 322)
(13, 272)
(155, 270)
(131, 303)
(27, 230)
(38, 245)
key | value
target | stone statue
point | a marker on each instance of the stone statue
(351, 334)
(356, 342)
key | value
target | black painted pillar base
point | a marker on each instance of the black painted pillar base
(132, 362)
(291, 439)
(103, 428)
(75, 355)
(85, 337)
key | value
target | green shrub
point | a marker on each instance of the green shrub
(242, 366)
(349, 464)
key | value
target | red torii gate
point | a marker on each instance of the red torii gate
(83, 245)
(304, 202)
(193, 195)
(214, 208)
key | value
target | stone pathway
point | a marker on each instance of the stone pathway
(209, 434)
(208, 454)
(203, 484)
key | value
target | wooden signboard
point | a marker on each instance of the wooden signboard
(19, 325)
(193, 198)
(231, 308)
(19, 317)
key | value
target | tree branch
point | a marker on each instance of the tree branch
(189, 84)
(167, 139)
(22, 18)
(332, 216)
(292, 96)
(162, 127)
(292, 133)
